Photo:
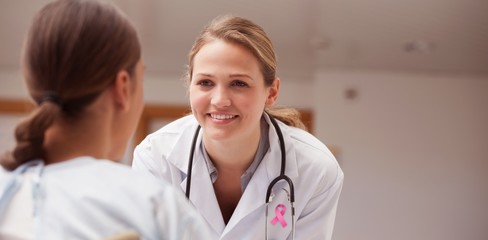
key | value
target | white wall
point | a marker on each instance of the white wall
(414, 151)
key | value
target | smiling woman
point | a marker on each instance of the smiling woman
(247, 150)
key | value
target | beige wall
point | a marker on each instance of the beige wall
(414, 151)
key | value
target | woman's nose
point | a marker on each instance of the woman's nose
(220, 98)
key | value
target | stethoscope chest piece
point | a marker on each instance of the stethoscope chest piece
(280, 214)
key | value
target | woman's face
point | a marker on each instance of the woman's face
(227, 91)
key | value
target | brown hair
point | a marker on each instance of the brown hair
(248, 34)
(73, 51)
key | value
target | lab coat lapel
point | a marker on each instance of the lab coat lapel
(181, 151)
(202, 194)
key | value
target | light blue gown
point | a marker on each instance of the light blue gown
(86, 198)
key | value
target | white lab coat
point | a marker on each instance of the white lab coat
(85, 198)
(313, 169)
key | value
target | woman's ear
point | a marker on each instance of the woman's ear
(273, 91)
(122, 90)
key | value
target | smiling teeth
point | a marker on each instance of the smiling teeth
(221, 117)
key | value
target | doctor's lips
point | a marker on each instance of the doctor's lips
(222, 116)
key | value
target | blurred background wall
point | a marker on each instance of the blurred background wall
(414, 150)
(400, 89)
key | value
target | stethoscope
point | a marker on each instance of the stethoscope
(269, 194)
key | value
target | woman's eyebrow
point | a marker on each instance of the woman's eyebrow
(240, 76)
(204, 74)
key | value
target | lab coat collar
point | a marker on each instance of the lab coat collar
(183, 145)
(181, 151)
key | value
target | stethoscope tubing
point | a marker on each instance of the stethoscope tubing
(282, 175)
(190, 161)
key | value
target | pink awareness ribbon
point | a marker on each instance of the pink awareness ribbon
(280, 212)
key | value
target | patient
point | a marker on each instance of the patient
(82, 65)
